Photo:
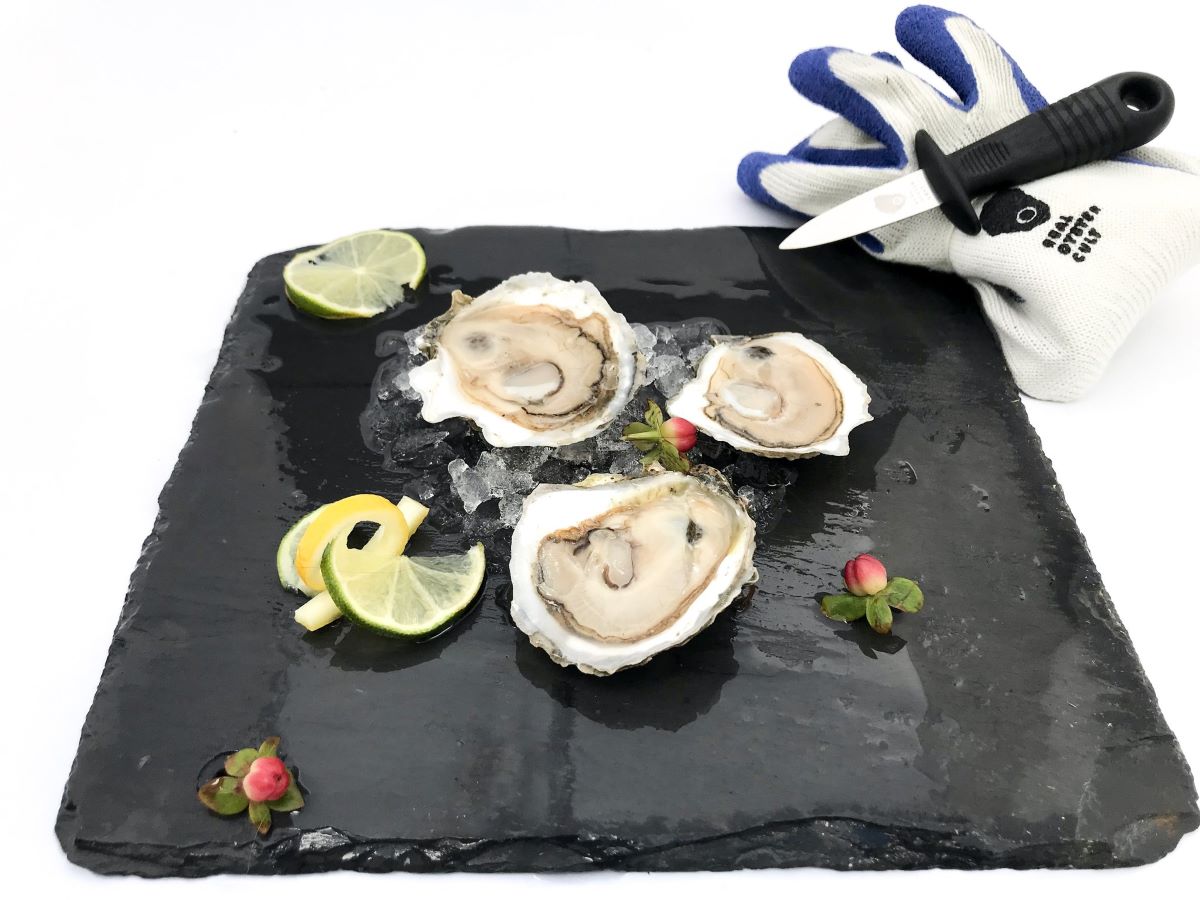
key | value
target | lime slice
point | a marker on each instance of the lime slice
(321, 610)
(404, 596)
(285, 556)
(333, 524)
(355, 277)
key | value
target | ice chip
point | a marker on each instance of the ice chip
(582, 452)
(610, 441)
(413, 442)
(470, 486)
(401, 383)
(627, 462)
(698, 353)
(510, 509)
(562, 471)
(481, 523)
(523, 460)
(645, 338)
(671, 373)
(491, 467)
(412, 339)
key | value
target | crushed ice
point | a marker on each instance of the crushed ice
(489, 484)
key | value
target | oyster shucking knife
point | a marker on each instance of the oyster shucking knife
(1120, 113)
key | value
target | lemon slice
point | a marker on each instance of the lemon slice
(321, 610)
(355, 277)
(285, 557)
(404, 596)
(333, 523)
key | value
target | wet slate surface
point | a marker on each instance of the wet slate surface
(1009, 724)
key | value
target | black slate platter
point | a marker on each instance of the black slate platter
(1008, 724)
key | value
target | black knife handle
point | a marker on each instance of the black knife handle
(1110, 117)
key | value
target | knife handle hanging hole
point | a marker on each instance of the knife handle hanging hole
(1140, 93)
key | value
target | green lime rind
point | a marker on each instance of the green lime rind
(285, 556)
(317, 309)
(355, 277)
(406, 597)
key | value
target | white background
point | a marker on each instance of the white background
(151, 152)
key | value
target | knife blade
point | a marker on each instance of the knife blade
(1112, 116)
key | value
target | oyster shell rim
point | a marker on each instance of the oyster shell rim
(436, 381)
(689, 403)
(569, 648)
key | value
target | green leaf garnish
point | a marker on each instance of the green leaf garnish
(640, 431)
(879, 614)
(844, 607)
(260, 815)
(269, 747)
(903, 594)
(292, 798)
(672, 459)
(223, 796)
(654, 415)
(238, 764)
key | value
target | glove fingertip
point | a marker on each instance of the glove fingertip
(814, 79)
(749, 168)
(922, 31)
(917, 20)
(888, 57)
(749, 179)
(810, 70)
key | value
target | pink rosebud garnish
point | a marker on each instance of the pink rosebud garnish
(865, 575)
(872, 594)
(267, 780)
(664, 443)
(679, 432)
(255, 781)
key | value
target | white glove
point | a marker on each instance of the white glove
(1065, 266)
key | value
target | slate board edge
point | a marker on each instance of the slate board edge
(65, 824)
(855, 844)
(843, 844)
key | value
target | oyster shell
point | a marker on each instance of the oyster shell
(775, 394)
(608, 573)
(535, 361)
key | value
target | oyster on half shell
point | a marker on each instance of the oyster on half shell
(535, 361)
(775, 394)
(612, 571)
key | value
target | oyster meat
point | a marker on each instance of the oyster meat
(775, 394)
(614, 570)
(535, 361)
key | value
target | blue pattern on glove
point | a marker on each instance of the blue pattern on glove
(922, 31)
(812, 77)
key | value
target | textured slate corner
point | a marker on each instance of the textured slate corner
(1008, 724)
